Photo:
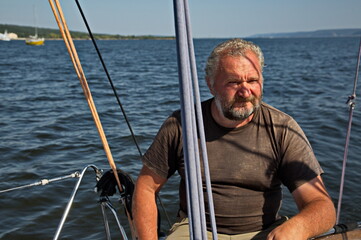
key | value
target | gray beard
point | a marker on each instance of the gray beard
(229, 112)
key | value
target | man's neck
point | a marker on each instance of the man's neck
(225, 122)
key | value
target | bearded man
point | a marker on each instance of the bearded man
(253, 149)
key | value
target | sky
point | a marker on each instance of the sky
(209, 18)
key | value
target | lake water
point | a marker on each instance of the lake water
(46, 129)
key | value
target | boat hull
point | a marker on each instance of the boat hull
(39, 41)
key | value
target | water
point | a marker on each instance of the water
(46, 129)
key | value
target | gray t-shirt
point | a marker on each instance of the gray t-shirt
(247, 165)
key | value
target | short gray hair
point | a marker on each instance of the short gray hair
(233, 47)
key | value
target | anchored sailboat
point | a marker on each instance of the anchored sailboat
(34, 39)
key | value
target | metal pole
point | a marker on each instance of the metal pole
(351, 102)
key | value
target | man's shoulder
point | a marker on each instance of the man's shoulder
(274, 113)
(268, 107)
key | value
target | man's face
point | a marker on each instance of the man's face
(237, 86)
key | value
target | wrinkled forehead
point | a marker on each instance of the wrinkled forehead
(248, 55)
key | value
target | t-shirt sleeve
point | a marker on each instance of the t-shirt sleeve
(163, 154)
(298, 162)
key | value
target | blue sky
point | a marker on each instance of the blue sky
(210, 18)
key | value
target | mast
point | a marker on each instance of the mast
(35, 21)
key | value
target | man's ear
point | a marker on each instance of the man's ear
(208, 80)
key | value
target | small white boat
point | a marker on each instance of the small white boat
(4, 36)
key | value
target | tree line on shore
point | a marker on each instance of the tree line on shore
(48, 33)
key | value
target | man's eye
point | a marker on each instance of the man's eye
(233, 83)
(253, 81)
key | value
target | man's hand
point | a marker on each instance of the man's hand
(317, 213)
(288, 230)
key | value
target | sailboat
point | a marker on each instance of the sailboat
(34, 39)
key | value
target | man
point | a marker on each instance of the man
(252, 148)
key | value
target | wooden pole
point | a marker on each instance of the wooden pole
(79, 71)
(59, 17)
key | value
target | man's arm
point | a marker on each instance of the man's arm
(144, 204)
(317, 213)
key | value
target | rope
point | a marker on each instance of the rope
(42, 182)
(200, 122)
(59, 17)
(351, 102)
(187, 72)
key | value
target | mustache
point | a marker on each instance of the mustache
(239, 99)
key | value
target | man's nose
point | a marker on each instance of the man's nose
(244, 90)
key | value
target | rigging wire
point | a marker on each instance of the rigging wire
(108, 76)
(42, 182)
(117, 96)
(351, 102)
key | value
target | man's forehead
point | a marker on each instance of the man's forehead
(252, 57)
(249, 56)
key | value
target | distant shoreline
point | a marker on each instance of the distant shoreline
(23, 32)
(89, 39)
(135, 39)
(345, 32)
